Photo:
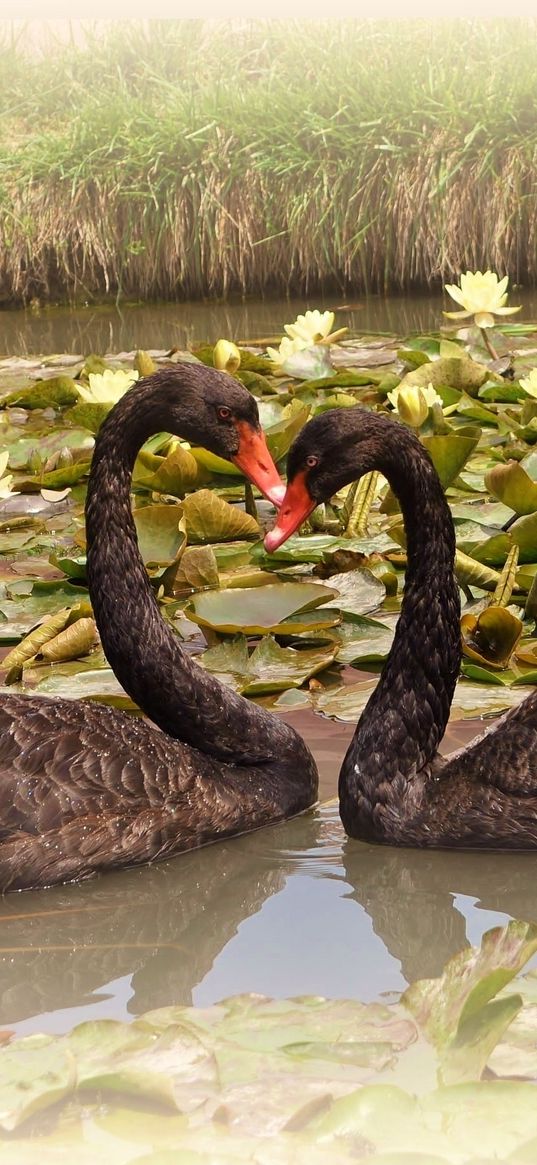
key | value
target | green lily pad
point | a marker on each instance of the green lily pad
(98, 684)
(174, 474)
(492, 636)
(358, 591)
(57, 391)
(198, 568)
(450, 451)
(258, 610)
(211, 519)
(459, 1013)
(56, 479)
(174, 1069)
(458, 372)
(270, 668)
(159, 532)
(28, 608)
(35, 1073)
(513, 486)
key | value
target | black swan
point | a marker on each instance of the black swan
(84, 787)
(394, 788)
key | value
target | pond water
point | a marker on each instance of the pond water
(294, 909)
(126, 327)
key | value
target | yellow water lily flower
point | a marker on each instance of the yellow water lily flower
(287, 348)
(6, 479)
(481, 295)
(226, 356)
(106, 388)
(314, 327)
(413, 403)
(529, 383)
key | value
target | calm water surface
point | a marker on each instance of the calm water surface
(110, 329)
(294, 909)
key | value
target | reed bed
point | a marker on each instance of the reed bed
(179, 159)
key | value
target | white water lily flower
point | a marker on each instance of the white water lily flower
(529, 383)
(287, 348)
(6, 479)
(314, 327)
(106, 388)
(226, 356)
(413, 403)
(481, 295)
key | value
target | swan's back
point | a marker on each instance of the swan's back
(85, 788)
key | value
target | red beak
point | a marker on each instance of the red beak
(255, 461)
(296, 507)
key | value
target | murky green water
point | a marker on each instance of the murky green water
(291, 910)
(111, 329)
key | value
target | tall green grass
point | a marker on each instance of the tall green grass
(188, 158)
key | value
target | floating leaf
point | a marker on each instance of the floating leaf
(28, 607)
(450, 451)
(175, 474)
(174, 1069)
(98, 684)
(270, 668)
(358, 591)
(210, 519)
(159, 532)
(198, 568)
(33, 642)
(455, 1011)
(35, 1073)
(75, 641)
(256, 610)
(492, 636)
(513, 486)
(56, 479)
(457, 372)
(89, 415)
(56, 391)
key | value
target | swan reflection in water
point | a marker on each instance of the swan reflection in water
(213, 923)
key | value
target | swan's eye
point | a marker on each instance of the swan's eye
(223, 413)
(312, 461)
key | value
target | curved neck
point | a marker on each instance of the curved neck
(142, 649)
(405, 718)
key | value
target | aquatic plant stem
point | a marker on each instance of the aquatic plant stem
(488, 344)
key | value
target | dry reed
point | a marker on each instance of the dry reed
(186, 159)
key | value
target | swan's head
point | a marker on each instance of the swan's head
(334, 449)
(214, 410)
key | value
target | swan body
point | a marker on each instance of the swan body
(86, 788)
(394, 787)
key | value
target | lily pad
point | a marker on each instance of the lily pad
(34, 1074)
(492, 636)
(270, 668)
(458, 372)
(160, 532)
(174, 474)
(450, 451)
(211, 519)
(358, 591)
(258, 610)
(513, 486)
(459, 1013)
(56, 391)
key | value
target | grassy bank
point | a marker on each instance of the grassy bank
(189, 158)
